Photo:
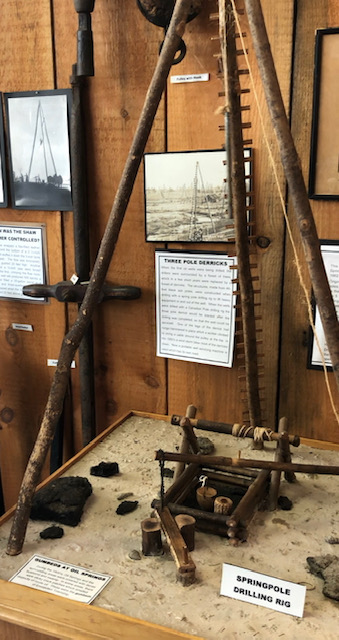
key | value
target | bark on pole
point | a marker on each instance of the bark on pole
(297, 190)
(105, 253)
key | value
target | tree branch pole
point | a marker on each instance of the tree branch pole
(297, 190)
(107, 246)
(235, 156)
(221, 461)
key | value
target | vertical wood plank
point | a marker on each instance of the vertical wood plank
(127, 372)
(303, 394)
(193, 124)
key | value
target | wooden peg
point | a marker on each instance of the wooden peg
(151, 537)
(186, 526)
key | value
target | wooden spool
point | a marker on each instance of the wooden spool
(186, 526)
(205, 497)
(222, 504)
(151, 537)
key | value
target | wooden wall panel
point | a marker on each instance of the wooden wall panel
(303, 394)
(127, 372)
(193, 124)
(26, 63)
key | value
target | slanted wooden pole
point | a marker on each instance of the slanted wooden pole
(105, 253)
(297, 189)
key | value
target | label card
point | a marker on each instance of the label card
(192, 77)
(256, 588)
(61, 579)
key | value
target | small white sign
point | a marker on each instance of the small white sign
(61, 579)
(256, 588)
(192, 77)
(54, 363)
(22, 327)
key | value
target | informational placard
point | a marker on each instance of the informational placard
(330, 254)
(61, 579)
(195, 306)
(256, 588)
(191, 77)
(22, 250)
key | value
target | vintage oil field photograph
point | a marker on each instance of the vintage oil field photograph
(186, 196)
(39, 150)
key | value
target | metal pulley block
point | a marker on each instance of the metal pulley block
(66, 291)
(159, 12)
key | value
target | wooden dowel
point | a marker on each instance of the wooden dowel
(186, 526)
(254, 464)
(185, 442)
(275, 476)
(172, 493)
(229, 479)
(247, 505)
(226, 427)
(151, 537)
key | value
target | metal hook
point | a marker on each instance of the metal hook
(203, 480)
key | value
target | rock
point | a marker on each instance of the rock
(205, 445)
(52, 533)
(105, 469)
(168, 473)
(134, 555)
(285, 503)
(126, 507)
(62, 500)
(326, 567)
(123, 496)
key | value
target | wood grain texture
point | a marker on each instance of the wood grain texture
(303, 394)
(193, 124)
(127, 372)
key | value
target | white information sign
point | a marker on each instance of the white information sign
(61, 579)
(330, 254)
(22, 259)
(191, 77)
(195, 307)
(256, 588)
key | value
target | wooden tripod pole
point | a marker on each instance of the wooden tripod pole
(235, 156)
(106, 249)
(295, 180)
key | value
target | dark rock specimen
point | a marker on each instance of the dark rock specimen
(105, 469)
(126, 507)
(326, 567)
(205, 445)
(62, 500)
(285, 503)
(52, 533)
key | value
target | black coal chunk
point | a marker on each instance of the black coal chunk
(52, 533)
(105, 469)
(126, 507)
(285, 503)
(62, 500)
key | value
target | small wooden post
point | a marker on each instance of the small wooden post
(186, 526)
(185, 445)
(151, 537)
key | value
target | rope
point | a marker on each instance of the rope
(258, 433)
(289, 230)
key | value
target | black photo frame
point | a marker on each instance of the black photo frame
(324, 156)
(330, 254)
(187, 196)
(39, 150)
(3, 181)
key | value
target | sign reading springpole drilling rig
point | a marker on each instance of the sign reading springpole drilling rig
(195, 306)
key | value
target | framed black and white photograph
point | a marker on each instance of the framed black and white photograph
(39, 154)
(324, 157)
(187, 198)
(3, 184)
(330, 255)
